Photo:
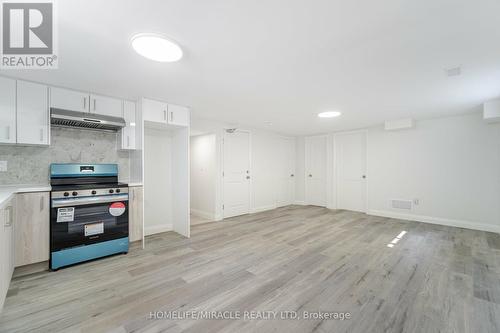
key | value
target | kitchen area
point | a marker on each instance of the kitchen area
(72, 176)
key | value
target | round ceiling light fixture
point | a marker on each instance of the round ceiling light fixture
(156, 47)
(329, 114)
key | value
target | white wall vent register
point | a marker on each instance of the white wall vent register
(401, 204)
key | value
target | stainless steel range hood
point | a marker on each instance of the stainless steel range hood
(65, 118)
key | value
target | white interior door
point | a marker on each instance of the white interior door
(316, 159)
(285, 172)
(350, 161)
(236, 173)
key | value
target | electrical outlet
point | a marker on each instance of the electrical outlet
(3, 166)
(416, 202)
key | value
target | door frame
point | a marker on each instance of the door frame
(335, 187)
(250, 201)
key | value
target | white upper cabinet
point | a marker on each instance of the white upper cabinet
(69, 99)
(154, 111)
(106, 106)
(7, 110)
(128, 132)
(178, 115)
(161, 112)
(32, 113)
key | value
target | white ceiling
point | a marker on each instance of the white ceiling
(283, 61)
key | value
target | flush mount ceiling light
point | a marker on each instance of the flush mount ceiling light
(156, 47)
(329, 114)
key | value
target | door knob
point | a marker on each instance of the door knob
(364, 176)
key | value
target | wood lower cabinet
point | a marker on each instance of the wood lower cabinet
(135, 213)
(31, 228)
(7, 217)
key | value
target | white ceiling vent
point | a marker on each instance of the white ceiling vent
(401, 204)
(399, 124)
(454, 71)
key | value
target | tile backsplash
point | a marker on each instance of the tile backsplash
(30, 165)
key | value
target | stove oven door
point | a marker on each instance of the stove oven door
(83, 221)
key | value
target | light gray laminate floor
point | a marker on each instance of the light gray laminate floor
(434, 279)
(198, 220)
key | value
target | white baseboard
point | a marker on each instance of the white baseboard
(156, 229)
(299, 202)
(262, 208)
(436, 220)
(203, 214)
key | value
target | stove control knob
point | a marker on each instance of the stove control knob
(117, 190)
(111, 191)
(94, 192)
(66, 194)
(75, 194)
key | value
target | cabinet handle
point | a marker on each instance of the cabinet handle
(292, 175)
(171, 116)
(94, 104)
(9, 220)
(41, 134)
(42, 203)
(84, 103)
(128, 141)
(8, 132)
(310, 175)
(165, 115)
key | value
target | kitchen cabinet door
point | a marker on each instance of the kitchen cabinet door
(31, 228)
(6, 249)
(178, 115)
(106, 106)
(135, 213)
(3, 265)
(128, 133)
(69, 99)
(7, 110)
(32, 113)
(154, 111)
(9, 238)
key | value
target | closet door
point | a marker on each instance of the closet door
(236, 173)
(350, 151)
(316, 160)
(285, 172)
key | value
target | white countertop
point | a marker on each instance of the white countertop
(134, 184)
(7, 191)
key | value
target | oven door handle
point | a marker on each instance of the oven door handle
(65, 202)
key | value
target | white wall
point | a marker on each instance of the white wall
(265, 148)
(203, 175)
(452, 165)
(157, 181)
